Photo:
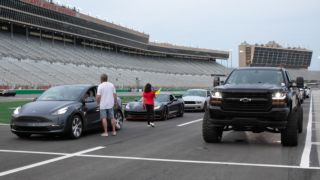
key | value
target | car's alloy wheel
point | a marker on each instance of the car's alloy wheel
(165, 114)
(181, 111)
(76, 127)
(119, 120)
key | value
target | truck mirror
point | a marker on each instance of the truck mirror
(300, 82)
(216, 81)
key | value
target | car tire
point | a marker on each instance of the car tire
(165, 114)
(300, 119)
(289, 135)
(75, 127)
(23, 135)
(119, 119)
(181, 111)
(210, 133)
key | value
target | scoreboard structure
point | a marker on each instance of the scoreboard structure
(274, 55)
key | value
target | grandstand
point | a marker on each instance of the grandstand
(43, 44)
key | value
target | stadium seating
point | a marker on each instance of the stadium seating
(34, 63)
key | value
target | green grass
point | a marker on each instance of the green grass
(6, 109)
(126, 99)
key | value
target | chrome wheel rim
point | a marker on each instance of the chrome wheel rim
(119, 120)
(165, 114)
(76, 127)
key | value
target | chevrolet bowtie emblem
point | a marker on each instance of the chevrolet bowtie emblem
(245, 100)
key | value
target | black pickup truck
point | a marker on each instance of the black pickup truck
(255, 99)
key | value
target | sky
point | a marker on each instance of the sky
(215, 24)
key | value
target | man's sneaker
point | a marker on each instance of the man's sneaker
(104, 134)
(114, 133)
(149, 125)
(152, 124)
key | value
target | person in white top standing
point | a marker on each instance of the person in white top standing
(107, 99)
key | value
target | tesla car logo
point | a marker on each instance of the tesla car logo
(245, 100)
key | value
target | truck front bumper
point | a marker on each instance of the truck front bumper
(275, 118)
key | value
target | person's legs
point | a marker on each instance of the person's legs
(148, 113)
(110, 115)
(103, 116)
(152, 115)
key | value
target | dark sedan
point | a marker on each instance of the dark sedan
(9, 92)
(66, 110)
(166, 106)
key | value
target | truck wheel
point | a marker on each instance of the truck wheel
(300, 119)
(289, 135)
(210, 133)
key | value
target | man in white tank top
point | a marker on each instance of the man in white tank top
(107, 99)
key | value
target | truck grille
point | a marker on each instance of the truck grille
(252, 102)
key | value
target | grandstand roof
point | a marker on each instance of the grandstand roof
(45, 15)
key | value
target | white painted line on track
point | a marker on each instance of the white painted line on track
(82, 154)
(4, 173)
(1, 124)
(199, 162)
(184, 124)
(316, 143)
(33, 152)
(305, 158)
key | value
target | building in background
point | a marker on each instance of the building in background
(274, 55)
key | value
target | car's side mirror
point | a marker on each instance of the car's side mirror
(300, 82)
(216, 81)
(34, 99)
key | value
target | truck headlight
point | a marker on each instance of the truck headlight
(61, 111)
(279, 99)
(217, 95)
(216, 99)
(279, 96)
(17, 111)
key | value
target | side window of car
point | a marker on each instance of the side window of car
(208, 93)
(171, 98)
(95, 91)
(90, 95)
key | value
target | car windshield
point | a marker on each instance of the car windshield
(162, 98)
(195, 93)
(62, 93)
(256, 76)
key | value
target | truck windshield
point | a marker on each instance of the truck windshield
(256, 76)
